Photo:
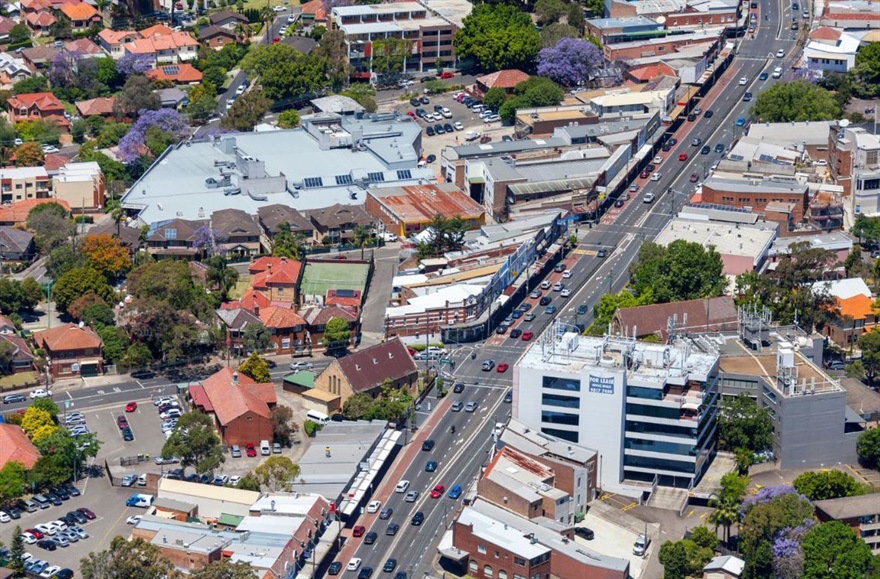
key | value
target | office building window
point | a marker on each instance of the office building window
(559, 400)
(563, 434)
(570, 384)
(550, 417)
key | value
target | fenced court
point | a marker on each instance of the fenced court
(319, 277)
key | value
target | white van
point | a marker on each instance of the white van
(265, 448)
(318, 417)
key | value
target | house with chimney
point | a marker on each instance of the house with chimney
(277, 278)
(241, 407)
(71, 350)
(367, 371)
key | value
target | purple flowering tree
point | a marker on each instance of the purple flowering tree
(571, 62)
(134, 64)
(208, 240)
(767, 494)
(788, 557)
(132, 145)
(810, 73)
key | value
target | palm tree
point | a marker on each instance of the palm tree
(726, 513)
(221, 276)
(268, 16)
(116, 212)
(242, 32)
(362, 237)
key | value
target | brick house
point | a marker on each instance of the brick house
(40, 22)
(270, 218)
(338, 221)
(176, 73)
(35, 106)
(227, 19)
(71, 350)
(286, 328)
(241, 407)
(503, 79)
(237, 232)
(216, 37)
(101, 106)
(15, 446)
(235, 321)
(278, 278)
(317, 317)
(175, 239)
(367, 370)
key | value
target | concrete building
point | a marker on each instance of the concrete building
(80, 185)
(408, 210)
(757, 194)
(678, 13)
(22, 183)
(489, 541)
(862, 513)
(427, 36)
(831, 50)
(854, 162)
(742, 247)
(338, 158)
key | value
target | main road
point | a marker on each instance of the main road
(461, 456)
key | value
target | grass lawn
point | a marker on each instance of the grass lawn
(18, 380)
(241, 286)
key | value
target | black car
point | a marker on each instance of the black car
(370, 538)
(191, 477)
(386, 513)
(692, 117)
(448, 128)
(438, 128)
(582, 309)
(650, 168)
(64, 574)
(431, 466)
(429, 131)
(392, 529)
(704, 150)
(424, 100)
(420, 113)
(458, 388)
(400, 575)
(545, 300)
(127, 435)
(334, 568)
(666, 147)
(13, 398)
(390, 565)
(78, 517)
(61, 492)
(500, 330)
(515, 333)
(53, 498)
(69, 519)
(584, 533)
(206, 478)
(719, 148)
(428, 444)
(709, 114)
(47, 544)
(72, 490)
(673, 141)
(418, 518)
(508, 398)
(414, 102)
(365, 573)
(143, 374)
(618, 203)
(12, 512)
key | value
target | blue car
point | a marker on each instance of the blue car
(516, 314)
(762, 76)
(550, 310)
(455, 492)
(740, 122)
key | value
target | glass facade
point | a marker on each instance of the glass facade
(551, 417)
(569, 384)
(559, 400)
(563, 434)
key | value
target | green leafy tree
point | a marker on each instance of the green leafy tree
(608, 305)
(137, 94)
(30, 154)
(13, 478)
(116, 343)
(549, 11)
(131, 559)
(497, 37)
(870, 346)
(336, 334)
(220, 276)
(50, 226)
(246, 111)
(17, 551)
(796, 101)
(866, 228)
(574, 15)
(389, 55)
(249, 483)
(284, 72)
(856, 371)
(194, 441)
(287, 244)
(78, 282)
(726, 504)
(494, 97)
(256, 368)
(224, 569)
(47, 405)
(62, 456)
(277, 473)
(868, 448)
(19, 34)
(284, 426)
(674, 558)
(682, 271)
(138, 356)
(358, 406)
(742, 423)
(99, 315)
(31, 85)
(829, 484)
(364, 94)
(288, 119)
(362, 237)
(333, 49)
(761, 524)
(834, 550)
(447, 235)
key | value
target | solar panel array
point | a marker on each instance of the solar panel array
(376, 177)
(313, 182)
(170, 70)
(404, 174)
(343, 179)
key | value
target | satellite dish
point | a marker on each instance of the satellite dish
(661, 20)
(843, 123)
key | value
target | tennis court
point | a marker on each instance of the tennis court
(320, 277)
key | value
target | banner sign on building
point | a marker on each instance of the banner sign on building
(601, 384)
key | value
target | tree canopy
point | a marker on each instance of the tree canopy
(256, 368)
(682, 271)
(868, 448)
(834, 550)
(195, 443)
(285, 72)
(78, 282)
(796, 101)
(447, 235)
(246, 111)
(829, 484)
(336, 334)
(570, 62)
(764, 517)
(742, 423)
(497, 37)
(134, 559)
(277, 473)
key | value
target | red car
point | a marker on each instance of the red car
(645, 174)
(131, 406)
(695, 177)
(447, 74)
(250, 449)
(35, 532)
(683, 157)
(411, 115)
(358, 531)
(438, 491)
(527, 336)
(121, 421)
(502, 368)
(87, 513)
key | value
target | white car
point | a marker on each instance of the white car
(446, 113)
(279, 8)
(374, 506)
(50, 571)
(657, 160)
(234, 480)
(565, 293)
(649, 198)
(546, 284)
(28, 538)
(780, 53)
(163, 400)
(491, 119)
(170, 413)
(59, 525)
(401, 486)
(354, 564)
(458, 126)
(656, 176)
(566, 274)
(134, 519)
(50, 149)
(777, 72)
(240, 90)
(291, 19)
(39, 393)
(46, 528)
(744, 81)
(297, 366)
(4, 518)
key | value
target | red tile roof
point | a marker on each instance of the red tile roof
(317, 8)
(231, 400)
(16, 446)
(279, 317)
(45, 101)
(370, 367)
(83, 46)
(41, 19)
(156, 30)
(276, 264)
(318, 316)
(18, 212)
(176, 73)
(68, 337)
(420, 203)
(353, 298)
(825, 33)
(54, 161)
(81, 11)
(503, 78)
(200, 397)
(97, 106)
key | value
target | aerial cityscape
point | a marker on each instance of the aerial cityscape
(440, 289)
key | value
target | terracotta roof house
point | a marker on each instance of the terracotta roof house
(6, 25)
(16, 244)
(277, 277)
(647, 72)
(40, 22)
(53, 162)
(338, 221)
(270, 217)
(177, 73)
(113, 41)
(22, 359)
(216, 37)
(35, 106)
(314, 11)
(344, 297)
(237, 232)
(17, 212)
(71, 350)
(163, 44)
(7, 326)
(317, 317)
(506, 79)
(227, 18)
(703, 315)
(81, 15)
(156, 30)
(235, 321)
(16, 446)
(241, 408)
(175, 238)
(287, 328)
(367, 370)
(39, 56)
(84, 47)
(853, 317)
(101, 106)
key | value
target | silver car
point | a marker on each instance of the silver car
(470, 407)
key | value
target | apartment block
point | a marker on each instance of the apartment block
(428, 36)
(21, 183)
(81, 185)
(862, 513)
